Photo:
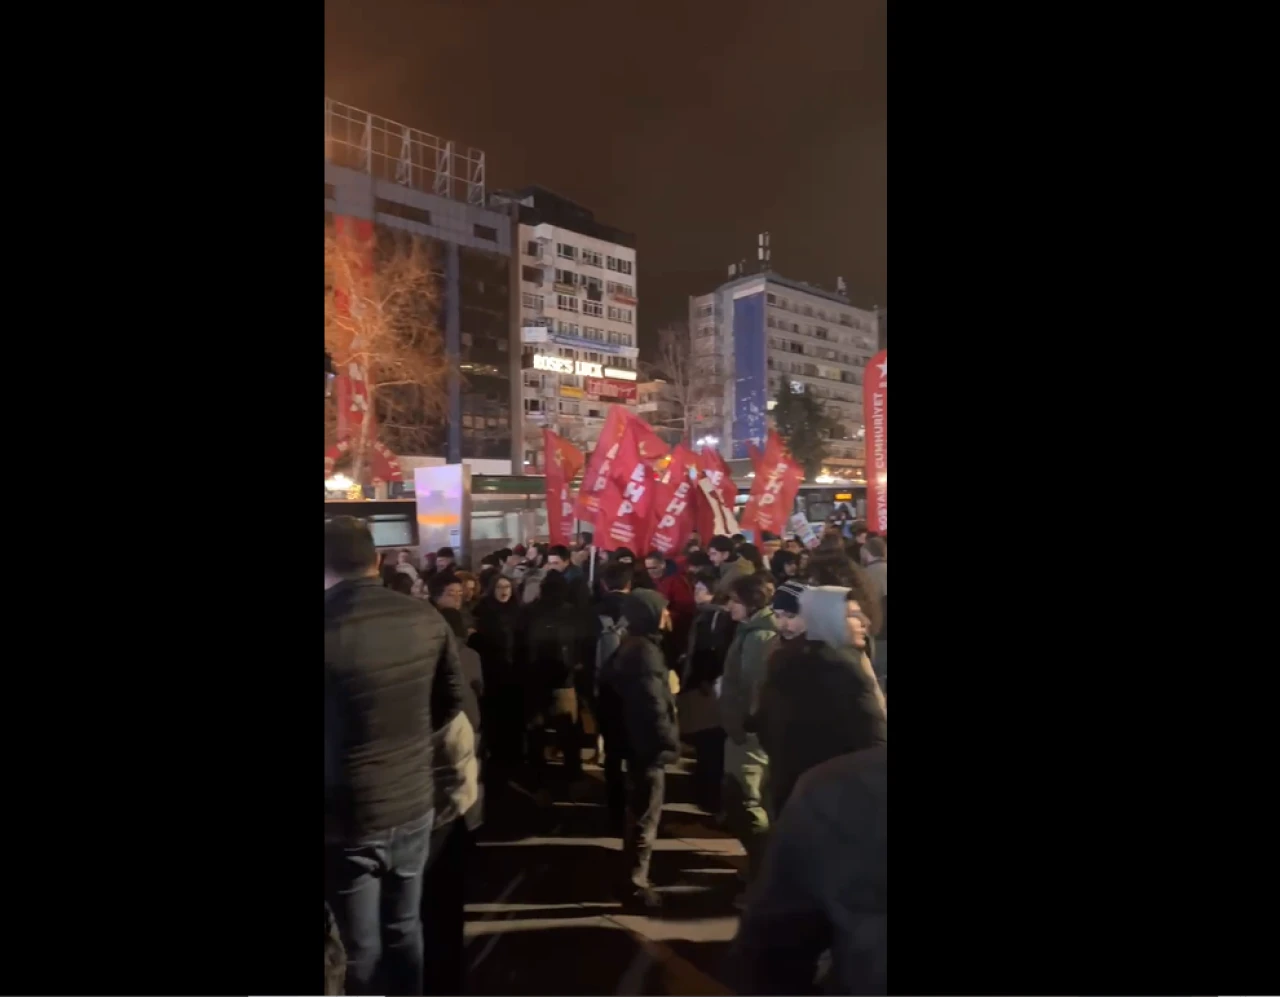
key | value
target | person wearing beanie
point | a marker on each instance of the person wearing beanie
(786, 611)
(639, 711)
(820, 698)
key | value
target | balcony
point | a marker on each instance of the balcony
(563, 288)
(623, 299)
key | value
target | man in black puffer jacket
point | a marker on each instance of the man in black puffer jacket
(382, 651)
(636, 698)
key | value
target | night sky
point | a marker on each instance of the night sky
(695, 130)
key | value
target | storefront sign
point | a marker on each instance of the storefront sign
(611, 390)
(569, 391)
(620, 375)
(562, 365)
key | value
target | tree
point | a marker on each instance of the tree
(381, 323)
(693, 381)
(804, 427)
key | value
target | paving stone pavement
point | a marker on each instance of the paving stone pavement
(541, 918)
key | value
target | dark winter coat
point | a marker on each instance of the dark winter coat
(635, 695)
(382, 651)
(823, 886)
(709, 639)
(817, 702)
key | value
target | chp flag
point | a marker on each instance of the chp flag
(875, 416)
(563, 462)
(673, 503)
(774, 489)
(602, 467)
(626, 498)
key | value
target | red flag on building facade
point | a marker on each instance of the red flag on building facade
(875, 417)
(673, 504)
(626, 499)
(563, 461)
(774, 490)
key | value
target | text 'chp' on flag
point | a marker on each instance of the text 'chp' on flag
(603, 465)
(626, 498)
(563, 462)
(774, 489)
(673, 504)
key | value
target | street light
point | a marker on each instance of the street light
(707, 441)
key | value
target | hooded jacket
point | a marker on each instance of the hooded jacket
(635, 696)
(731, 570)
(826, 619)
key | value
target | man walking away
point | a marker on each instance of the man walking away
(382, 653)
(637, 696)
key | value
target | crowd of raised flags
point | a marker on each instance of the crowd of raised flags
(639, 492)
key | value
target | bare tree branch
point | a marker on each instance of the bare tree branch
(693, 380)
(382, 314)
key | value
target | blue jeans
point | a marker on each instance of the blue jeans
(374, 888)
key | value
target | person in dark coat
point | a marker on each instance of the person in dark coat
(383, 652)
(819, 698)
(459, 812)
(606, 612)
(502, 708)
(710, 635)
(636, 698)
(554, 650)
(823, 887)
(784, 565)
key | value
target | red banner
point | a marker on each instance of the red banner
(713, 505)
(875, 417)
(562, 461)
(673, 505)
(601, 468)
(612, 391)
(774, 490)
(756, 456)
(626, 498)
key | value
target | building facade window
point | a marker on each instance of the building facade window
(621, 266)
(620, 314)
(566, 302)
(592, 308)
(531, 301)
(531, 274)
(591, 258)
(566, 251)
(406, 211)
(485, 232)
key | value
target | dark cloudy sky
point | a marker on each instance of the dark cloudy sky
(694, 125)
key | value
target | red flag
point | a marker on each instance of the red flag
(756, 456)
(712, 506)
(875, 417)
(600, 466)
(774, 490)
(626, 498)
(673, 505)
(562, 462)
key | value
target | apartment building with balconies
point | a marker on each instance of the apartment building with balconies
(754, 331)
(578, 315)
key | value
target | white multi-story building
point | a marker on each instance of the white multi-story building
(753, 332)
(578, 309)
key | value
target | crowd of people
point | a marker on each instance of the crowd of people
(765, 662)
